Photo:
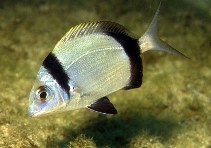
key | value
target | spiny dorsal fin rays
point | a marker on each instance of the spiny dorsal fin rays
(93, 27)
(151, 41)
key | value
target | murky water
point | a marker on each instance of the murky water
(172, 108)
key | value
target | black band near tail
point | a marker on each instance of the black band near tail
(54, 67)
(132, 49)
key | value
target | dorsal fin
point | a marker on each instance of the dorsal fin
(84, 29)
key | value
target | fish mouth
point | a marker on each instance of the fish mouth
(38, 113)
(41, 111)
(34, 113)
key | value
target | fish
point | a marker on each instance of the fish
(91, 61)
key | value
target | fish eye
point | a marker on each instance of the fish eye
(43, 93)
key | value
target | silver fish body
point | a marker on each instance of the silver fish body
(91, 61)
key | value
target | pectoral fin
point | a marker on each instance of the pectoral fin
(103, 105)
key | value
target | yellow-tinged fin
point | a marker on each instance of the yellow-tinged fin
(151, 41)
(84, 29)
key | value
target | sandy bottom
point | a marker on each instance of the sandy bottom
(171, 109)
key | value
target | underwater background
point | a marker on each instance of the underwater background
(171, 109)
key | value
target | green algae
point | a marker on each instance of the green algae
(171, 109)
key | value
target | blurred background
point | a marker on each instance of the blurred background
(171, 109)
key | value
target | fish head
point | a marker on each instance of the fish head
(46, 95)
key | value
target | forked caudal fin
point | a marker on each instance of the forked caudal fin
(151, 41)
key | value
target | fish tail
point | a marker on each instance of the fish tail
(151, 41)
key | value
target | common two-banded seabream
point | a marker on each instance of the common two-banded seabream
(91, 61)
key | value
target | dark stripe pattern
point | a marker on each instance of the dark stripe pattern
(54, 67)
(132, 49)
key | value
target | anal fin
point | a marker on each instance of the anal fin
(103, 105)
